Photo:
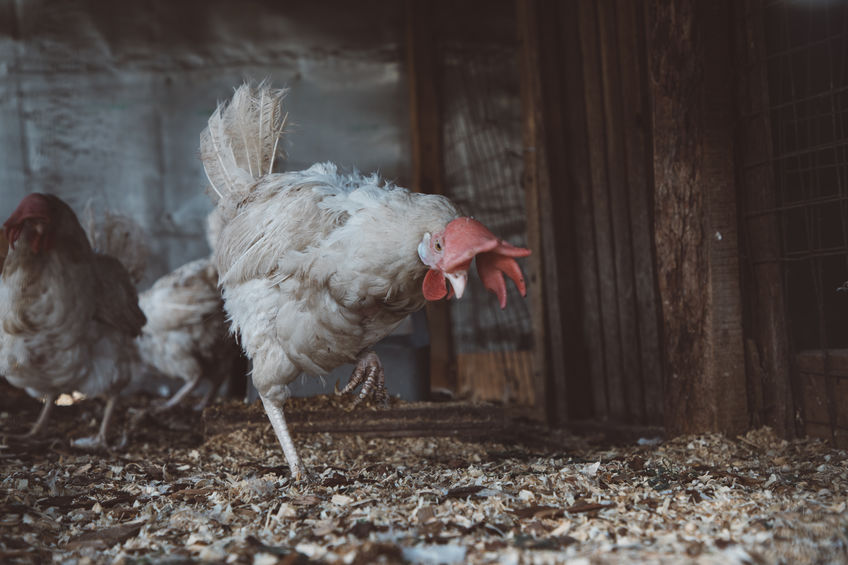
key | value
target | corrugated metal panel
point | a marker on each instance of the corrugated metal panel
(106, 100)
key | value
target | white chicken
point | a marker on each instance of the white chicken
(68, 315)
(317, 266)
(187, 335)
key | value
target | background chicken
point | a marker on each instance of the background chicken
(69, 314)
(317, 266)
(187, 335)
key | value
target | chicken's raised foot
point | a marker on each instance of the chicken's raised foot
(368, 373)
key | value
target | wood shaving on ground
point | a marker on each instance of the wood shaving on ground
(182, 488)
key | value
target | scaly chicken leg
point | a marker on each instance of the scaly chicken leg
(278, 422)
(370, 374)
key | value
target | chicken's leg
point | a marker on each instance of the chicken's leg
(209, 396)
(43, 417)
(99, 441)
(278, 422)
(369, 373)
(184, 391)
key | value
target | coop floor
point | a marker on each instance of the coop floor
(478, 489)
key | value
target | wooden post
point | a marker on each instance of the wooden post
(691, 70)
(427, 165)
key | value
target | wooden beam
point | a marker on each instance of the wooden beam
(427, 166)
(548, 362)
(691, 70)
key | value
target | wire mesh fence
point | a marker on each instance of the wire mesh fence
(807, 65)
(806, 61)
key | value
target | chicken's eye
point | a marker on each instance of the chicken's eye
(438, 246)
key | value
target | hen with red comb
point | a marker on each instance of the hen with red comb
(318, 265)
(68, 314)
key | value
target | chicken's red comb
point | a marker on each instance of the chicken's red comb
(465, 238)
(32, 206)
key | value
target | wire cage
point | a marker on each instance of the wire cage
(481, 138)
(805, 59)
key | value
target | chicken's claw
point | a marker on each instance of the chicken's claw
(368, 373)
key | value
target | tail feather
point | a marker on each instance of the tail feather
(240, 144)
(119, 236)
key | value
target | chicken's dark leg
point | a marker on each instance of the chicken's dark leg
(43, 417)
(368, 373)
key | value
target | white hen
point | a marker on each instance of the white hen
(187, 335)
(318, 266)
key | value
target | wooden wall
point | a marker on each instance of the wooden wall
(629, 153)
(595, 186)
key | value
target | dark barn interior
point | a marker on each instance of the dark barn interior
(679, 170)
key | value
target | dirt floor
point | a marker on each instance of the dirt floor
(186, 487)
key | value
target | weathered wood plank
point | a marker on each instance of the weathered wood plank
(499, 376)
(427, 166)
(695, 216)
(602, 210)
(575, 176)
(636, 120)
(549, 375)
(614, 99)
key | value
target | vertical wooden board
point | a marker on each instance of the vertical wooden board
(603, 232)
(636, 117)
(427, 165)
(548, 365)
(497, 376)
(559, 305)
(619, 190)
(576, 161)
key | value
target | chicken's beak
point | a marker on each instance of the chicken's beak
(457, 282)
